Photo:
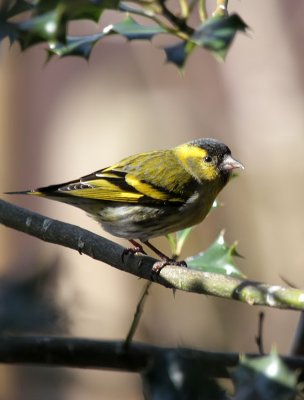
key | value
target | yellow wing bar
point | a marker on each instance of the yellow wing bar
(117, 187)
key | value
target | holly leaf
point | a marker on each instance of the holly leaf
(8, 29)
(218, 258)
(48, 23)
(81, 46)
(46, 27)
(217, 34)
(13, 8)
(174, 376)
(77, 9)
(9, 9)
(264, 378)
(132, 30)
(179, 53)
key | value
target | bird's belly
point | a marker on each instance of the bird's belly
(145, 222)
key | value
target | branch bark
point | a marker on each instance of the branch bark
(51, 351)
(99, 248)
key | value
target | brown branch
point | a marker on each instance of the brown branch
(99, 248)
(54, 351)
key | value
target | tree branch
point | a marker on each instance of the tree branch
(190, 280)
(51, 351)
(180, 23)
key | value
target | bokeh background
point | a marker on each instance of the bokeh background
(65, 119)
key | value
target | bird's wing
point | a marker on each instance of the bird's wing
(135, 179)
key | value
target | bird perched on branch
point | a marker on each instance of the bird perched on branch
(151, 194)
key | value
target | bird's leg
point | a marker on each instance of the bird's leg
(165, 260)
(156, 251)
(137, 247)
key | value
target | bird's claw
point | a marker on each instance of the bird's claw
(132, 250)
(159, 265)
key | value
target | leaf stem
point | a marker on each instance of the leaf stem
(151, 15)
(202, 10)
(184, 6)
(178, 22)
(221, 8)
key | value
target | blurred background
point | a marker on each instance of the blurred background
(65, 119)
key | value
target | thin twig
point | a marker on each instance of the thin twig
(153, 17)
(259, 337)
(137, 315)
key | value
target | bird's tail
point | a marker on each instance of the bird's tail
(35, 192)
(48, 191)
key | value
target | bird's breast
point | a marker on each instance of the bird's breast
(133, 221)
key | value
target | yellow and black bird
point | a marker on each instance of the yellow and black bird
(151, 194)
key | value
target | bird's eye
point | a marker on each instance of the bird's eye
(208, 159)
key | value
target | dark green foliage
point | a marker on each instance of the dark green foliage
(264, 378)
(76, 9)
(47, 21)
(217, 34)
(177, 53)
(172, 376)
(75, 46)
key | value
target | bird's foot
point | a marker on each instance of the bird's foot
(165, 260)
(159, 265)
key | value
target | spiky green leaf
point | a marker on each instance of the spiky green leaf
(77, 9)
(9, 9)
(179, 53)
(75, 46)
(218, 258)
(217, 34)
(47, 27)
(48, 22)
(83, 45)
(12, 8)
(132, 30)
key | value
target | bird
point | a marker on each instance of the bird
(151, 194)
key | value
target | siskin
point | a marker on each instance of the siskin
(151, 194)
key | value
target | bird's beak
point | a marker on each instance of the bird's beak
(230, 163)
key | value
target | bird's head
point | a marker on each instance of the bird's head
(207, 160)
